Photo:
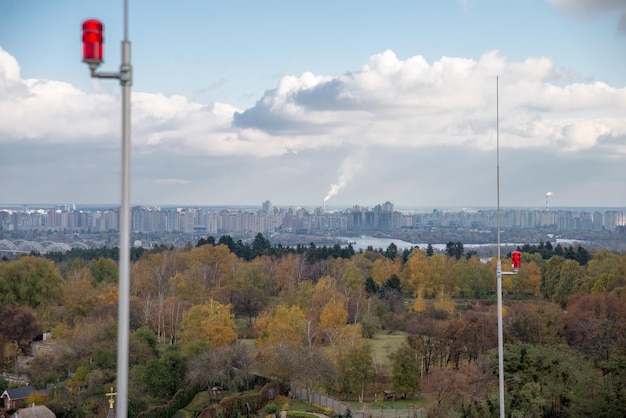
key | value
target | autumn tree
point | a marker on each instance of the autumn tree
(596, 325)
(151, 284)
(383, 269)
(528, 280)
(227, 367)
(250, 290)
(281, 332)
(351, 282)
(208, 325)
(78, 294)
(19, 325)
(290, 271)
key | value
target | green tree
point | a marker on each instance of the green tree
(405, 370)
(29, 281)
(392, 251)
(551, 275)
(104, 270)
(544, 381)
(361, 365)
(164, 376)
(569, 275)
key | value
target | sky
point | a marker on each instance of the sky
(300, 103)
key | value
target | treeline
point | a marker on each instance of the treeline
(312, 313)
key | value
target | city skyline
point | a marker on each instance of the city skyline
(350, 103)
(266, 218)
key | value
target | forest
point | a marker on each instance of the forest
(225, 313)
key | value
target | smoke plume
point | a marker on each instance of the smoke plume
(349, 167)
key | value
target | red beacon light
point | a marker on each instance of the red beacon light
(93, 41)
(516, 258)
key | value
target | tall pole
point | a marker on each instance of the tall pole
(92, 55)
(124, 256)
(499, 262)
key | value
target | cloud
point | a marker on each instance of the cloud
(593, 9)
(428, 126)
(450, 102)
(388, 102)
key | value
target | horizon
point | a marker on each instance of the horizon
(328, 208)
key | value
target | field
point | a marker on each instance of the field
(384, 344)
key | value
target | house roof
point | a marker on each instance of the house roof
(38, 411)
(17, 393)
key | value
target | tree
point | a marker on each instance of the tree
(551, 276)
(383, 268)
(596, 325)
(151, 281)
(569, 275)
(260, 246)
(290, 271)
(163, 376)
(416, 272)
(448, 387)
(332, 321)
(211, 367)
(392, 251)
(29, 281)
(361, 365)
(454, 249)
(208, 273)
(208, 325)
(545, 380)
(104, 270)
(405, 370)
(283, 324)
(19, 325)
(528, 280)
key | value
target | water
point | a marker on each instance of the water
(365, 241)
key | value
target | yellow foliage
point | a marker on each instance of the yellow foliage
(333, 315)
(211, 323)
(284, 324)
(420, 304)
(444, 302)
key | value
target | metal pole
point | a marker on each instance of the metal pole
(499, 263)
(124, 256)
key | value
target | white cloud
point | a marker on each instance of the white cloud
(429, 111)
(389, 101)
(450, 102)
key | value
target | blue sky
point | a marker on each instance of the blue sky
(357, 101)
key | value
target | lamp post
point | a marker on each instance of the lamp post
(516, 262)
(93, 41)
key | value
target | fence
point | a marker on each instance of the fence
(367, 412)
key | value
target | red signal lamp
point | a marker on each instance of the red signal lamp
(93, 41)
(516, 258)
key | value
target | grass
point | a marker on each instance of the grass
(384, 344)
